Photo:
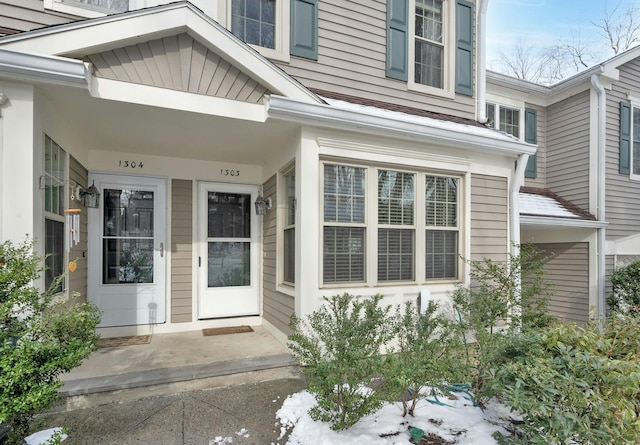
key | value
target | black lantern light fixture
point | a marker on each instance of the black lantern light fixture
(91, 196)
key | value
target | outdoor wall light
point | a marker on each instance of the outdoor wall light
(262, 205)
(91, 196)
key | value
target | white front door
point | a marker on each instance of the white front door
(127, 243)
(228, 250)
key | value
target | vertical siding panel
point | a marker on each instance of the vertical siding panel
(277, 307)
(489, 218)
(198, 60)
(568, 149)
(185, 43)
(209, 70)
(162, 62)
(78, 279)
(127, 65)
(568, 271)
(230, 77)
(218, 76)
(181, 250)
(172, 53)
(138, 62)
(150, 63)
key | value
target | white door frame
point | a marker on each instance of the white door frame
(132, 303)
(232, 301)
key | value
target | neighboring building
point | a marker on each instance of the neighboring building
(352, 125)
(579, 200)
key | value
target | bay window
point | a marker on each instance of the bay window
(415, 217)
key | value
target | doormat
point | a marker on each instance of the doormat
(124, 341)
(225, 331)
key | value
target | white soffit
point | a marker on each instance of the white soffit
(95, 35)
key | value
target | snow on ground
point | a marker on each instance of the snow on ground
(460, 422)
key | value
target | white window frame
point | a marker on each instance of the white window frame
(60, 218)
(635, 105)
(281, 50)
(80, 9)
(448, 42)
(371, 226)
(283, 226)
(515, 107)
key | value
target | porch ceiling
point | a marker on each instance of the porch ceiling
(132, 128)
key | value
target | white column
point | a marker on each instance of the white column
(308, 226)
(18, 181)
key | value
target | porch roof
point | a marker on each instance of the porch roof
(543, 207)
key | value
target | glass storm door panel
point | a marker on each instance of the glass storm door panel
(228, 251)
(127, 278)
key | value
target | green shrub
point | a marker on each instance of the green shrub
(429, 354)
(39, 340)
(504, 298)
(625, 295)
(574, 384)
(340, 347)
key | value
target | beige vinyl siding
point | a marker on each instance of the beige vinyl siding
(568, 149)
(568, 271)
(78, 279)
(622, 203)
(180, 63)
(277, 307)
(352, 59)
(489, 217)
(181, 250)
(25, 15)
(541, 179)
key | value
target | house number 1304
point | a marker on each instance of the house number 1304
(130, 164)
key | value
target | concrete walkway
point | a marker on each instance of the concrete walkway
(238, 415)
(175, 363)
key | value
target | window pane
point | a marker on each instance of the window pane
(343, 194)
(441, 254)
(510, 121)
(429, 60)
(229, 215)
(395, 197)
(290, 255)
(395, 255)
(429, 19)
(254, 21)
(441, 201)
(491, 115)
(54, 177)
(636, 141)
(128, 213)
(54, 245)
(229, 264)
(344, 251)
(127, 261)
(290, 197)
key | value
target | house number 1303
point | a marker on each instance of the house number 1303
(130, 164)
(227, 172)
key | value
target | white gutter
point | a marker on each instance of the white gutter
(528, 220)
(481, 51)
(601, 183)
(431, 131)
(27, 67)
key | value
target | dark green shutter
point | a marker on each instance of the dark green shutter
(625, 138)
(397, 38)
(464, 48)
(531, 137)
(304, 29)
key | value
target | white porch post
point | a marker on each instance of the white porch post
(18, 178)
(307, 225)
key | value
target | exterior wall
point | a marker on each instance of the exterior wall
(489, 217)
(180, 63)
(78, 279)
(352, 60)
(567, 166)
(25, 15)
(568, 271)
(540, 180)
(181, 250)
(277, 307)
(622, 212)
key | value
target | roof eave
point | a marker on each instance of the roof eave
(43, 69)
(282, 108)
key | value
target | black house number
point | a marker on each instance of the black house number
(130, 164)
(228, 172)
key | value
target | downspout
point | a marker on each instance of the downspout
(514, 198)
(600, 214)
(481, 50)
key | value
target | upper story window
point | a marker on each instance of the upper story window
(254, 21)
(504, 119)
(429, 43)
